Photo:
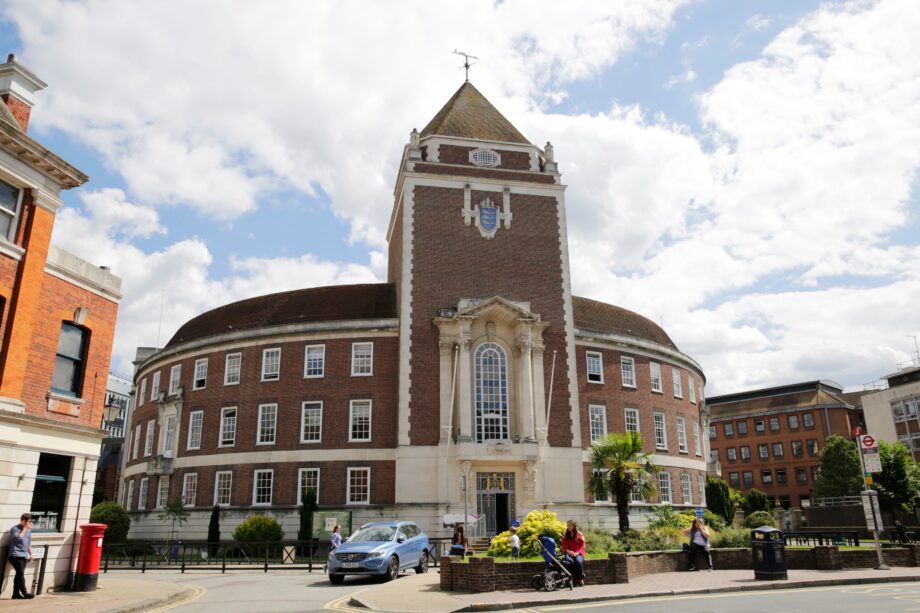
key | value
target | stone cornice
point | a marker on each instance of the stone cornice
(40, 158)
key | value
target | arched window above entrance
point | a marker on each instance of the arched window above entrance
(491, 391)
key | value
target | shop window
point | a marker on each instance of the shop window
(50, 492)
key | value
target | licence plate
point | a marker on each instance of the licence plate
(350, 565)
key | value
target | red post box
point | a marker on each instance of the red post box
(90, 556)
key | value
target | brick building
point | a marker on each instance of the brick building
(893, 412)
(769, 439)
(57, 317)
(473, 361)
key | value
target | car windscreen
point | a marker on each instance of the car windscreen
(373, 533)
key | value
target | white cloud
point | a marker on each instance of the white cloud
(687, 77)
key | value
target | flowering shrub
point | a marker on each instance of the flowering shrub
(535, 525)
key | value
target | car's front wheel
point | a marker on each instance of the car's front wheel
(392, 569)
(422, 564)
(336, 579)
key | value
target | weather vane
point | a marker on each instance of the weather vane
(466, 61)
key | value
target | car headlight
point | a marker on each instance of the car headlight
(378, 554)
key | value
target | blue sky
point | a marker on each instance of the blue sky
(744, 172)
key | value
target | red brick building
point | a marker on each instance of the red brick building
(769, 439)
(57, 317)
(472, 363)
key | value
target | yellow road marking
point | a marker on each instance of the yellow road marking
(339, 604)
(197, 592)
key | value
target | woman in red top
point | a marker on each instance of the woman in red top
(573, 547)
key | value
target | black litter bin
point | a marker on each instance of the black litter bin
(768, 550)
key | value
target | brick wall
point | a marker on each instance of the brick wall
(475, 171)
(511, 160)
(484, 574)
(19, 109)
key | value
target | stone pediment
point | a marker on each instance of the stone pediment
(497, 308)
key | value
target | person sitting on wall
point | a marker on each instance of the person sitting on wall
(573, 548)
(459, 544)
(699, 540)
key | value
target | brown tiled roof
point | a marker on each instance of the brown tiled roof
(469, 115)
(603, 317)
(334, 303)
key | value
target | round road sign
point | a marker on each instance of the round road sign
(867, 441)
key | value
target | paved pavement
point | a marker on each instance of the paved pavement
(128, 591)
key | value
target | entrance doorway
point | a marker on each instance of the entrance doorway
(495, 500)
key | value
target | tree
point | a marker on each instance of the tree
(719, 498)
(841, 473)
(307, 508)
(214, 531)
(755, 500)
(898, 482)
(115, 517)
(175, 513)
(621, 469)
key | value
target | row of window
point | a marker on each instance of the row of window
(740, 427)
(311, 427)
(595, 371)
(767, 476)
(904, 409)
(358, 488)
(763, 451)
(597, 426)
(314, 366)
(666, 493)
(911, 441)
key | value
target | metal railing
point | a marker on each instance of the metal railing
(838, 501)
(850, 538)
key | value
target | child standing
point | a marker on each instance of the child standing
(515, 543)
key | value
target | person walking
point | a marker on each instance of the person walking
(20, 553)
(699, 540)
(515, 543)
(336, 539)
(573, 547)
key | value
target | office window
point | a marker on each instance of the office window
(10, 201)
(636, 496)
(763, 451)
(169, 437)
(262, 482)
(307, 479)
(712, 432)
(359, 486)
(682, 435)
(686, 489)
(766, 477)
(597, 419)
(232, 366)
(661, 433)
(745, 452)
(793, 422)
(774, 424)
(271, 364)
(808, 419)
(142, 396)
(777, 450)
(731, 454)
(734, 480)
(628, 371)
(190, 489)
(655, 370)
(815, 472)
(632, 420)
(742, 428)
(915, 441)
(311, 422)
(781, 475)
(748, 478)
(137, 442)
(148, 442)
(69, 361)
(142, 495)
(129, 500)
(701, 486)
(812, 446)
(227, 427)
(904, 439)
(728, 428)
(796, 448)
(697, 448)
(801, 475)
(713, 455)
(595, 366)
(155, 387)
(759, 426)
(223, 483)
(201, 374)
(268, 424)
(175, 373)
(605, 498)
(691, 388)
(162, 491)
(675, 377)
(314, 361)
(195, 421)
(664, 487)
(362, 359)
(360, 421)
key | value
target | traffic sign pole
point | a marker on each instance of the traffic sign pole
(878, 545)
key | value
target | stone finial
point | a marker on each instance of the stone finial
(413, 138)
(415, 152)
(549, 155)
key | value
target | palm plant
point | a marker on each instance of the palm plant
(621, 469)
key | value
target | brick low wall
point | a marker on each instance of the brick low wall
(484, 574)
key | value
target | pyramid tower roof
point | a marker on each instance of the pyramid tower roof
(469, 115)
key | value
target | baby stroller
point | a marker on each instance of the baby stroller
(556, 575)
